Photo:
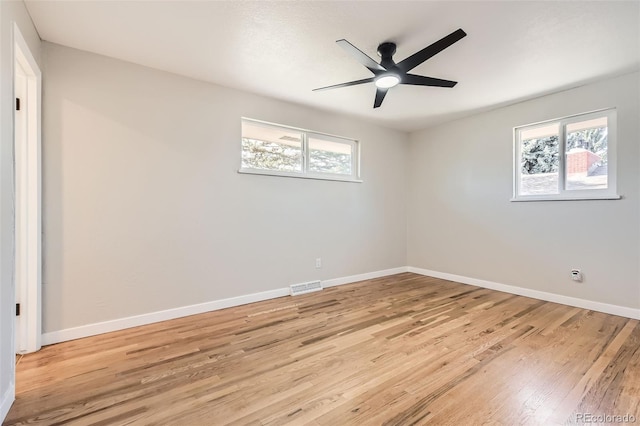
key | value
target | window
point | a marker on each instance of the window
(566, 159)
(286, 151)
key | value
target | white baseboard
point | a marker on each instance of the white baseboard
(152, 317)
(144, 319)
(607, 308)
(7, 399)
(361, 277)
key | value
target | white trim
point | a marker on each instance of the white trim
(568, 117)
(564, 198)
(28, 200)
(7, 400)
(153, 317)
(297, 129)
(607, 308)
(298, 175)
(361, 277)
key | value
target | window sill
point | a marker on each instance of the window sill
(565, 198)
(299, 175)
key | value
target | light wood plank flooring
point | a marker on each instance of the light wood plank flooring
(398, 350)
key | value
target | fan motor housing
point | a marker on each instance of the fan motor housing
(386, 50)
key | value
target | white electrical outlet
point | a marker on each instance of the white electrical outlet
(318, 263)
(576, 275)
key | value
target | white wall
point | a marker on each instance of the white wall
(144, 209)
(10, 12)
(461, 221)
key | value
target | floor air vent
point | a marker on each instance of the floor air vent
(303, 288)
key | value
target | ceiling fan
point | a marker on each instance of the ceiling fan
(388, 74)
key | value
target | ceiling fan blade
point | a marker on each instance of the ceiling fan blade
(419, 57)
(420, 80)
(380, 94)
(350, 83)
(361, 57)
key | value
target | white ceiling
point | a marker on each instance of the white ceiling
(514, 50)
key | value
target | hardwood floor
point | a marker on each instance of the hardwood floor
(398, 350)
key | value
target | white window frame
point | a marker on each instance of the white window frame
(306, 173)
(609, 193)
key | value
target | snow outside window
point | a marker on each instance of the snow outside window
(272, 149)
(566, 159)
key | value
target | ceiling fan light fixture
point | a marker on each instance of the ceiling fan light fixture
(387, 80)
(388, 74)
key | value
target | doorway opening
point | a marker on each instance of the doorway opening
(27, 198)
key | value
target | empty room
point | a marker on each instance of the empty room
(319, 213)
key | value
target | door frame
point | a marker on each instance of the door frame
(28, 200)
